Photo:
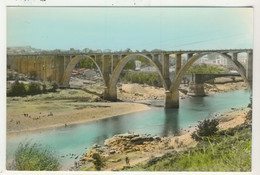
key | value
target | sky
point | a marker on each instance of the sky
(119, 28)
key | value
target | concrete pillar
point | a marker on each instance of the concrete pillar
(234, 56)
(196, 90)
(59, 69)
(196, 86)
(106, 68)
(109, 91)
(165, 69)
(178, 63)
(171, 99)
(42, 67)
(27, 62)
(249, 69)
(23, 64)
(116, 59)
(31, 67)
(49, 68)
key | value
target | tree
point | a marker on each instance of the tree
(128, 50)
(33, 157)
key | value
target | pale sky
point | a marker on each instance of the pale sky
(130, 27)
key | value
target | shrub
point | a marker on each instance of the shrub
(32, 157)
(205, 129)
(149, 78)
(17, 89)
(54, 87)
(34, 88)
(206, 69)
(98, 162)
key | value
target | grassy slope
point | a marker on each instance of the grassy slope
(227, 151)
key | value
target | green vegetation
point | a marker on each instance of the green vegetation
(98, 162)
(17, 89)
(33, 157)
(130, 65)
(206, 69)
(34, 88)
(86, 63)
(149, 78)
(228, 150)
(21, 89)
(205, 129)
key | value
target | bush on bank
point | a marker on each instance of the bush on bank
(33, 157)
(206, 128)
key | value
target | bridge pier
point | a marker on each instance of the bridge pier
(249, 69)
(196, 86)
(110, 94)
(171, 99)
(196, 89)
(165, 69)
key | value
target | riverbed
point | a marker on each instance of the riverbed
(71, 142)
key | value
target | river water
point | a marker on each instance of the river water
(76, 139)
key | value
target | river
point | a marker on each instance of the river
(76, 139)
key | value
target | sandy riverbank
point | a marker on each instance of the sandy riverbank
(119, 147)
(34, 115)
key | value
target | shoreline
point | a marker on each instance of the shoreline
(126, 108)
(229, 118)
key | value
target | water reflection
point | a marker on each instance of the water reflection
(109, 127)
(171, 122)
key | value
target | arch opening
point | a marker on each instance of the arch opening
(141, 74)
(82, 71)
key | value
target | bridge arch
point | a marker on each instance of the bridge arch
(75, 60)
(175, 85)
(118, 69)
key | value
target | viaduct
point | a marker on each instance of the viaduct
(58, 67)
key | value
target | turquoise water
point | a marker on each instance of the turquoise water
(76, 139)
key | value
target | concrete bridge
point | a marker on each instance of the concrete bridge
(58, 67)
(196, 85)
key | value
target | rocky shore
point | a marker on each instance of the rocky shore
(138, 147)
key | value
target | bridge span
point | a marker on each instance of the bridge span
(196, 85)
(58, 67)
